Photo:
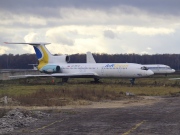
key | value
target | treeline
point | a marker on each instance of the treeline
(11, 61)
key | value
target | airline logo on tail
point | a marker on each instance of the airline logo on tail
(42, 56)
(41, 53)
(38, 53)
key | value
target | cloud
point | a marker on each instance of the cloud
(31, 37)
(144, 52)
(58, 36)
(152, 31)
(153, 6)
(3, 49)
(105, 26)
(116, 15)
(109, 34)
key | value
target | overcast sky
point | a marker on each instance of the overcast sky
(99, 26)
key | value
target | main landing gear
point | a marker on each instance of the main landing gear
(64, 80)
(96, 80)
(132, 81)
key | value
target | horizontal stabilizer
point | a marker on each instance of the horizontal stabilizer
(27, 43)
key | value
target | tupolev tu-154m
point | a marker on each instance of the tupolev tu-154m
(58, 66)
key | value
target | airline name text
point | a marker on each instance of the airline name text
(116, 65)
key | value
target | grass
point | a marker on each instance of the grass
(42, 92)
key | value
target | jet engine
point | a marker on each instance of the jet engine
(61, 59)
(49, 69)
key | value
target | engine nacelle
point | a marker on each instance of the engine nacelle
(49, 69)
(61, 59)
(67, 58)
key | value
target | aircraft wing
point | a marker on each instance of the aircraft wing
(174, 78)
(60, 75)
(75, 75)
(28, 76)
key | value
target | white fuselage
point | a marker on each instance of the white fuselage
(121, 70)
(160, 68)
(156, 68)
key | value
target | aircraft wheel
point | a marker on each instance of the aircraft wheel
(132, 81)
(65, 80)
(96, 80)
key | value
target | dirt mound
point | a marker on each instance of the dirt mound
(19, 118)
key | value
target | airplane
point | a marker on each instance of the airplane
(160, 68)
(156, 68)
(58, 66)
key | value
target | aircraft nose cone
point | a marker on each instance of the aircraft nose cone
(150, 72)
(173, 70)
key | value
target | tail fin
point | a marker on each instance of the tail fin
(44, 56)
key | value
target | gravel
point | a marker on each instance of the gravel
(19, 118)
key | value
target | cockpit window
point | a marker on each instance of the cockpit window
(144, 68)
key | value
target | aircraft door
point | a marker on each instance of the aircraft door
(80, 69)
(120, 71)
(102, 71)
(84, 69)
(158, 68)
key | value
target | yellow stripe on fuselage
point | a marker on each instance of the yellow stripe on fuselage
(43, 61)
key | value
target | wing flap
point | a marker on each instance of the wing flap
(29, 76)
(75, 75)
(60, 75)
(174, 78)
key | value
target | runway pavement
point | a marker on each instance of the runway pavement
(161, 118)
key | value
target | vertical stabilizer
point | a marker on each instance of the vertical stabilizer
(45, 57)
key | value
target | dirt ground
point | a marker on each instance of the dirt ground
(134, 101)
(143, 115)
